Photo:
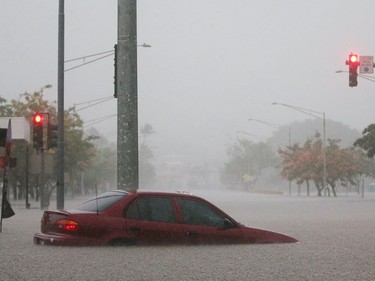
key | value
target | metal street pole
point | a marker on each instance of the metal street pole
(278, 126)
(27, 177)
(42, 183)
(313, 113)
(60, 109)
(324, 155)
(261, 138)
(127, 99)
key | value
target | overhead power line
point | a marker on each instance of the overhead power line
(93, 102)
(98, 120)
(369, 78)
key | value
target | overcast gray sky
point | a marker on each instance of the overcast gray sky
(212, 65)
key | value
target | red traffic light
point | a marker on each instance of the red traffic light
(38, 118)
(353, 58)
(353, 63)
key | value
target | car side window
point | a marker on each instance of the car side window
(152, 209)
(197, 213)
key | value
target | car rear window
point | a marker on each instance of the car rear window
(102, 202)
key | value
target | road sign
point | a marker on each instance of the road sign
(366, 64)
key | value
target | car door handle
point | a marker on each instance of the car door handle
(192, 233)
(134, 228)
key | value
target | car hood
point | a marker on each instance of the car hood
(256, 235)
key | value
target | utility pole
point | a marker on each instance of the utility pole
(127, 99)
(60, 109)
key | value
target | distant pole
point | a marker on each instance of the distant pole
(127, 100)
(324, 156)
(42, 182)
(363, 187)
(60, 110)
(290, 147)
(27, 177)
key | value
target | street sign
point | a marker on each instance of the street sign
(366, 64)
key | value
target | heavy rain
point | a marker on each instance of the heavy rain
(245, 104)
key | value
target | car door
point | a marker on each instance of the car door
(205, 224)
(153, 220)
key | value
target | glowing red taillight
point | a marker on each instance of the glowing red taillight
(67, 225)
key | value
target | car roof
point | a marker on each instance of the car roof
(169, 193)
(136, 193)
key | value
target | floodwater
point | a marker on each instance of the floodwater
(337, 242)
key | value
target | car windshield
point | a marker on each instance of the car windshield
(102, 202)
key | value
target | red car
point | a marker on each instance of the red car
(120, 217)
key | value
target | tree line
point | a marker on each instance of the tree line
(90, 161)
(303, 164)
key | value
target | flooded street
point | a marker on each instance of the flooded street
(336, 237)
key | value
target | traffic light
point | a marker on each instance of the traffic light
(353, 63)
(52, 135)
(38, 122)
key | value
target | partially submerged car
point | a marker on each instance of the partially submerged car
(120, 217)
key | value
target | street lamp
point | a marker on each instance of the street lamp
(273, 125)
(252, 135)
(314, 114)
(277, 126)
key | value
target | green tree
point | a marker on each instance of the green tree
(367, 142)
(78, 147)
(102, 170)
(146, 131)
(246, 158)
(25, 106)
(5, 109)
